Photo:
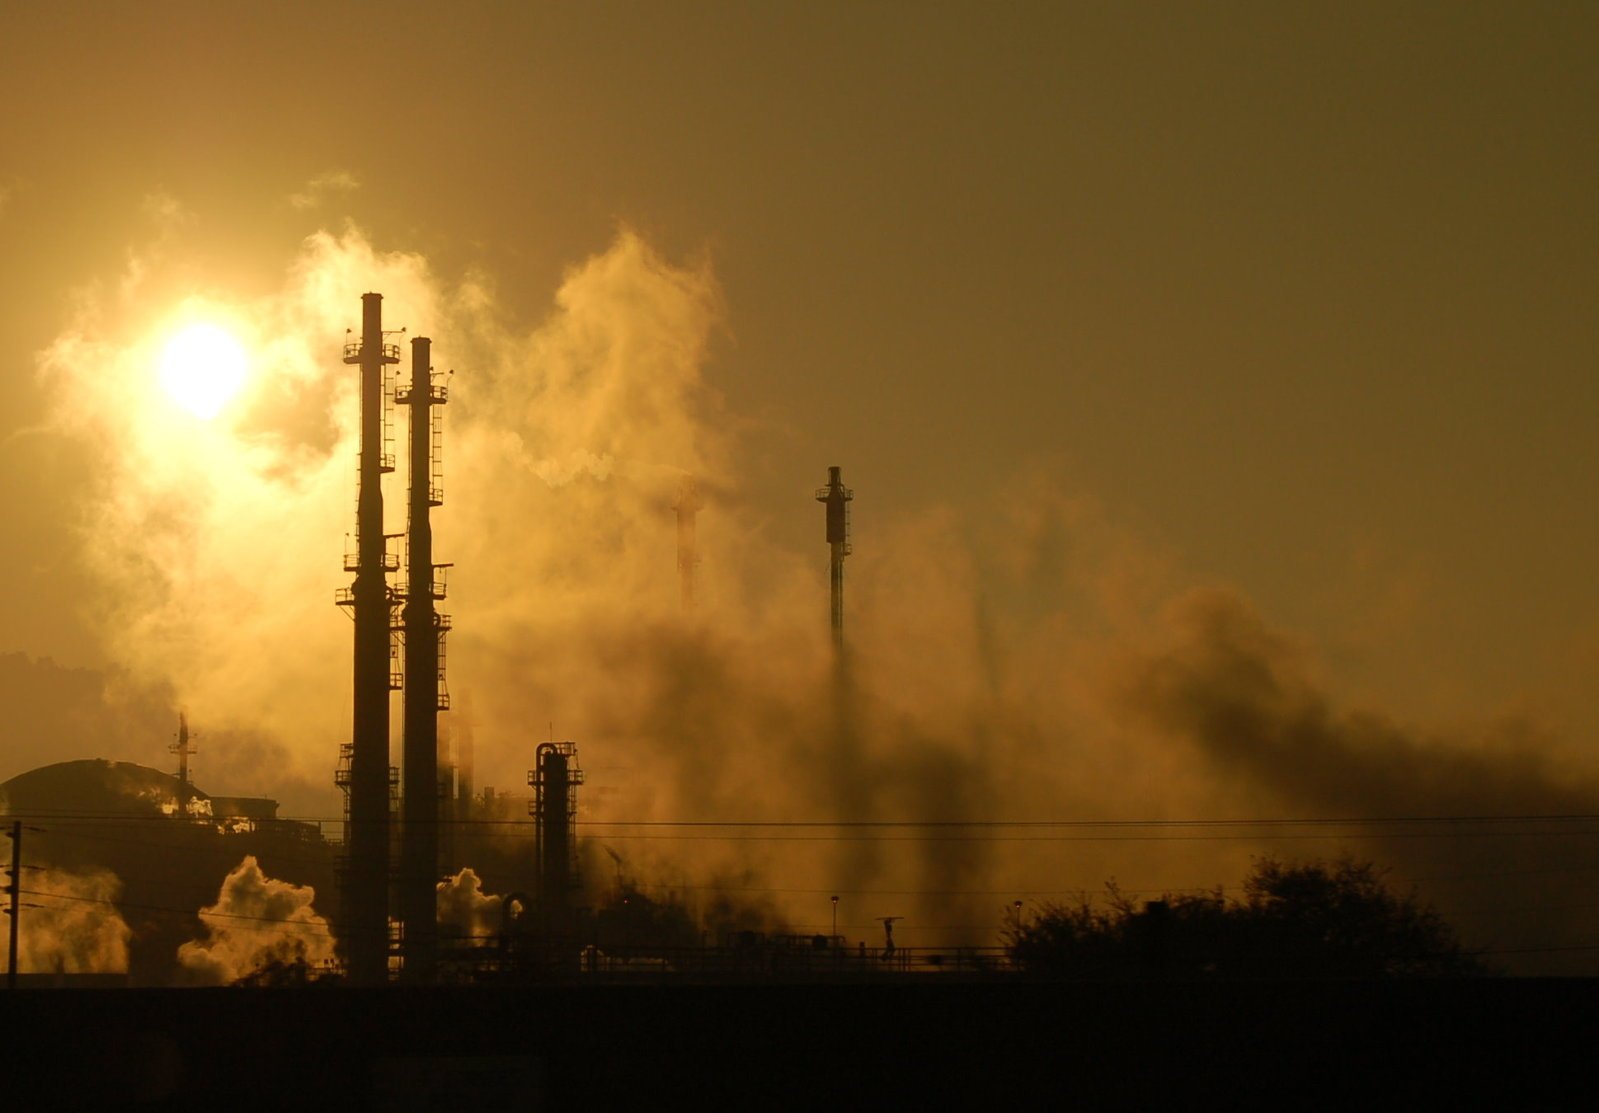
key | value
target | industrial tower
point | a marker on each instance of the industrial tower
(183, 748)
(364, 879)
(837, 498)
(687, 506)
(424, 628)
(554, 809)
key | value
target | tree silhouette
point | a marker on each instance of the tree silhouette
(1295, 920)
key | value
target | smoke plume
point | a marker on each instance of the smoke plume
(256, 921)
(1244, 695)
(466, 908)
(1245, 698)
(70, 924)
(1016, 665)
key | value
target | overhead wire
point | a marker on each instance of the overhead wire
(107, 825)
(298, 925)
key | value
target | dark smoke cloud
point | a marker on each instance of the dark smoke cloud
(1245, 697)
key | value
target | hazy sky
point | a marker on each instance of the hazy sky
(1304, 293)
(1300, 296)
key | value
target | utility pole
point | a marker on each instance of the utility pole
(15, 835)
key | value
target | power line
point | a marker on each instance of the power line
(302, 926)
(852, 824)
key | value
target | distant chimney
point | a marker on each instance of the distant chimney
(837, 497)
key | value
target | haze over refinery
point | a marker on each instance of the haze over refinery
(1215, 385)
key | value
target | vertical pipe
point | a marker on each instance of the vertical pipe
(419, 823)
(836, 497)
(183, 748)
(836, 578)
(555, 778)
(366, 927)
(555, 846)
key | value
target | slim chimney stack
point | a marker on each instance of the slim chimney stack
(425, 696)
(837, 498)
(365, 876)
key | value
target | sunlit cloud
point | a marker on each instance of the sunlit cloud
(256, 921)
(322, 187)
(166, 210)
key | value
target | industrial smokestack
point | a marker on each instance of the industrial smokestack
(687, 506)
(182, 748)
(837, 498)
(365, 877)
(554, 809)
(425, 696)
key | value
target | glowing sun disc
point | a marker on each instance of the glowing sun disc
(202, 368)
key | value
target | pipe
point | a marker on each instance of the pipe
(366, 876)
(419, 818)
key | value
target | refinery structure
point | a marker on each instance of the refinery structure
(416, 845)
(394, 623)
(399, 644)
(412, 826)
(396, 857)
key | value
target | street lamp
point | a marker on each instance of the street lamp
(835, 915)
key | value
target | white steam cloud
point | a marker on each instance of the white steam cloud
(257, 921)
(70, 924)
(466, 908)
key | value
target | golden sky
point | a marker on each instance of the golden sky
(1295, 304)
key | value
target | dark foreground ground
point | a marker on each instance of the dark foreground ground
(1501, 1042)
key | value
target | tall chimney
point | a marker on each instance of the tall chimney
(365, 878)
(182, 748)
(837, 498)
(424, 697)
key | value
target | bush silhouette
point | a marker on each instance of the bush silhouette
(1295, 920)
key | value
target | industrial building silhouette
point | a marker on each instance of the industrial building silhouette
(410, 827)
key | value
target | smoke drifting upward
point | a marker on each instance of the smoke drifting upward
(72, 926)
(256, 921)
(1017, 667)
(465, 907)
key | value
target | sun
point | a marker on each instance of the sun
(202, 368)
